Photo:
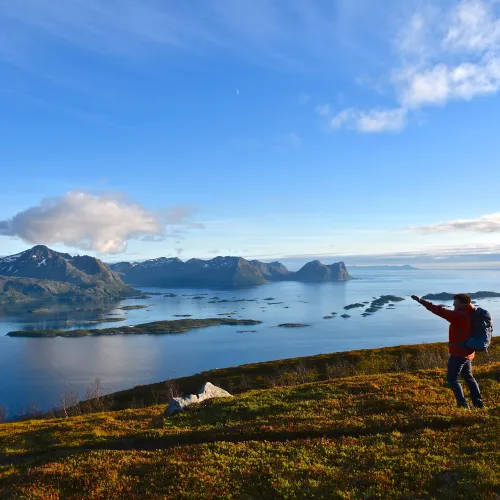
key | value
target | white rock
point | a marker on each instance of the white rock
(208, 391)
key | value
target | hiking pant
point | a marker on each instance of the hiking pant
(462, 366)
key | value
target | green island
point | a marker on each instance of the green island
(132, 307)
(155, 328)
(376, 423)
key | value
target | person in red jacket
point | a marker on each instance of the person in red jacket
(460, 360)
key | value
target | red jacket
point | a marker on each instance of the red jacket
(460, 326)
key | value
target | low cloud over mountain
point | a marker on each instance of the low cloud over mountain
(103, 223)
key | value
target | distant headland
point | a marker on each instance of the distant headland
(405, 267)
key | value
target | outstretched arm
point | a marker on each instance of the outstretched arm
(437, 310)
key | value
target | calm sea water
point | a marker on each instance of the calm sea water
(39, 370)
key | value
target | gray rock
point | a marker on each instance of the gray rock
(208, 391)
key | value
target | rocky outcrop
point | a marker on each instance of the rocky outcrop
(208, 391)
(316, 271)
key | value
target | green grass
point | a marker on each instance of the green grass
(265, 375)
(386, 435)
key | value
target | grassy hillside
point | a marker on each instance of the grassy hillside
(386, 435)
(266, 375)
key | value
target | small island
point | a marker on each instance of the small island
(376, 304)
(385, 299)
(449, 296)
(40, 310)
(131, 308)
(155, 328)
(292, 325)
(352, 306)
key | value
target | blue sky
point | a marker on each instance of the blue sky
(358, 129)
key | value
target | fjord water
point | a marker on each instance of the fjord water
(39, 370)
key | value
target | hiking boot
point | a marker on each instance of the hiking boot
(479, 406)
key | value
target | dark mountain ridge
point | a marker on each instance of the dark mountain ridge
(222, 272)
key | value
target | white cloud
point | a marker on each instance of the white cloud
(442, 83)
(444, 56)
(375, 120)
(411, 39)
(473, 27)
(390, 120)
(485, 224)
(101, 223)
(466, 62)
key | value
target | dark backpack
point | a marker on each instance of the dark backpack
(481, 330)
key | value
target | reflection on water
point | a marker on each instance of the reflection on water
(40, 369)
(49, 314)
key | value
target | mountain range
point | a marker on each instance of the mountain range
(43, 273)
(222, 272)
(40, 273)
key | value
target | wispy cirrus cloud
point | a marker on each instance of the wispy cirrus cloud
(443, 55)
(270, 30)
(485, 224)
